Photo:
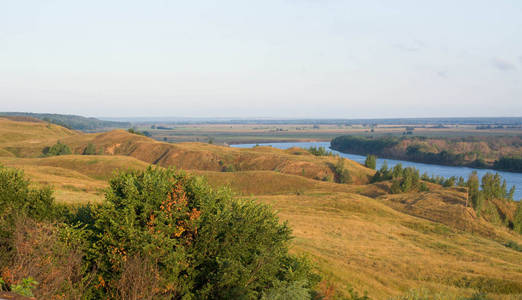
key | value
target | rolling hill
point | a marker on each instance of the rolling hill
(357, 234)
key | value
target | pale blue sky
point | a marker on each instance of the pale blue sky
(287, 58)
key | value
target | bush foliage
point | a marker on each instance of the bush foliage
(57, 149)
(160, 234)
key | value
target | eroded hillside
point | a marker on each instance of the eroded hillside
(358, 234)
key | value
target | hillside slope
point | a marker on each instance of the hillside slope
(357, 234)
(201, 156)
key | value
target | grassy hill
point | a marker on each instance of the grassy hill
(69, 121)
(358, 234)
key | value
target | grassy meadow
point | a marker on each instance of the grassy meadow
(358, 235)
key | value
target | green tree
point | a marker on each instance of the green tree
(396, 186)
(517, 220)
(474, 192)
(371, 161)
(342, 174)
(89, 150)
(397, 171)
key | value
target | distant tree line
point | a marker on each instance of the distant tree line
(362, 145)
(137, 132)
(71, 121)
(513, 164)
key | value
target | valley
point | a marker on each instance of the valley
(358, 235)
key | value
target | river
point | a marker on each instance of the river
(437, 170)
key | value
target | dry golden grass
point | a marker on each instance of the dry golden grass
(76, 179)
(201, 156)
(357, 234)
(362, 242)
(270, 183)
(26, 139)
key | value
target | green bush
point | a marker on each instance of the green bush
(319, 151)
(16, 197)
(160, 234)
(89, 150)
(341, 174)
(201, 243)
(25, 287)
(57, 149)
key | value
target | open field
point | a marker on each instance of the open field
(260, 133)
(357, 234)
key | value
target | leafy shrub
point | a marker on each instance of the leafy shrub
(18, 199)
(513, 245)
(319, 151)
(342, 175)
(57, 149)
(160, 234)
(25, 287)
(200, 242)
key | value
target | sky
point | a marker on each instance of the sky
(265, 59)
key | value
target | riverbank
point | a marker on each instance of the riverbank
(512, 179)
(498, 153)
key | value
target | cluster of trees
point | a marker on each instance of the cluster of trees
(403, 179)
(489, 188)
(481, 191)
(363, 145)
(513, 164)
(62, 149)
(137, 132)
(415, 153)
(57, 149)
(444, 151)
(319, 151)
(160, 234)
(71, 121)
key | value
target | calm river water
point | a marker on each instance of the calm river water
(446, 171)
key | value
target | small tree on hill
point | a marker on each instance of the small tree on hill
(371, 161)
(57, 149)
(517, 220)
(89, 150)
(342, 174)
(474, 192)
(397, 171)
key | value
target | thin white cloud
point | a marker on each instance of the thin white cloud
(503, 65)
